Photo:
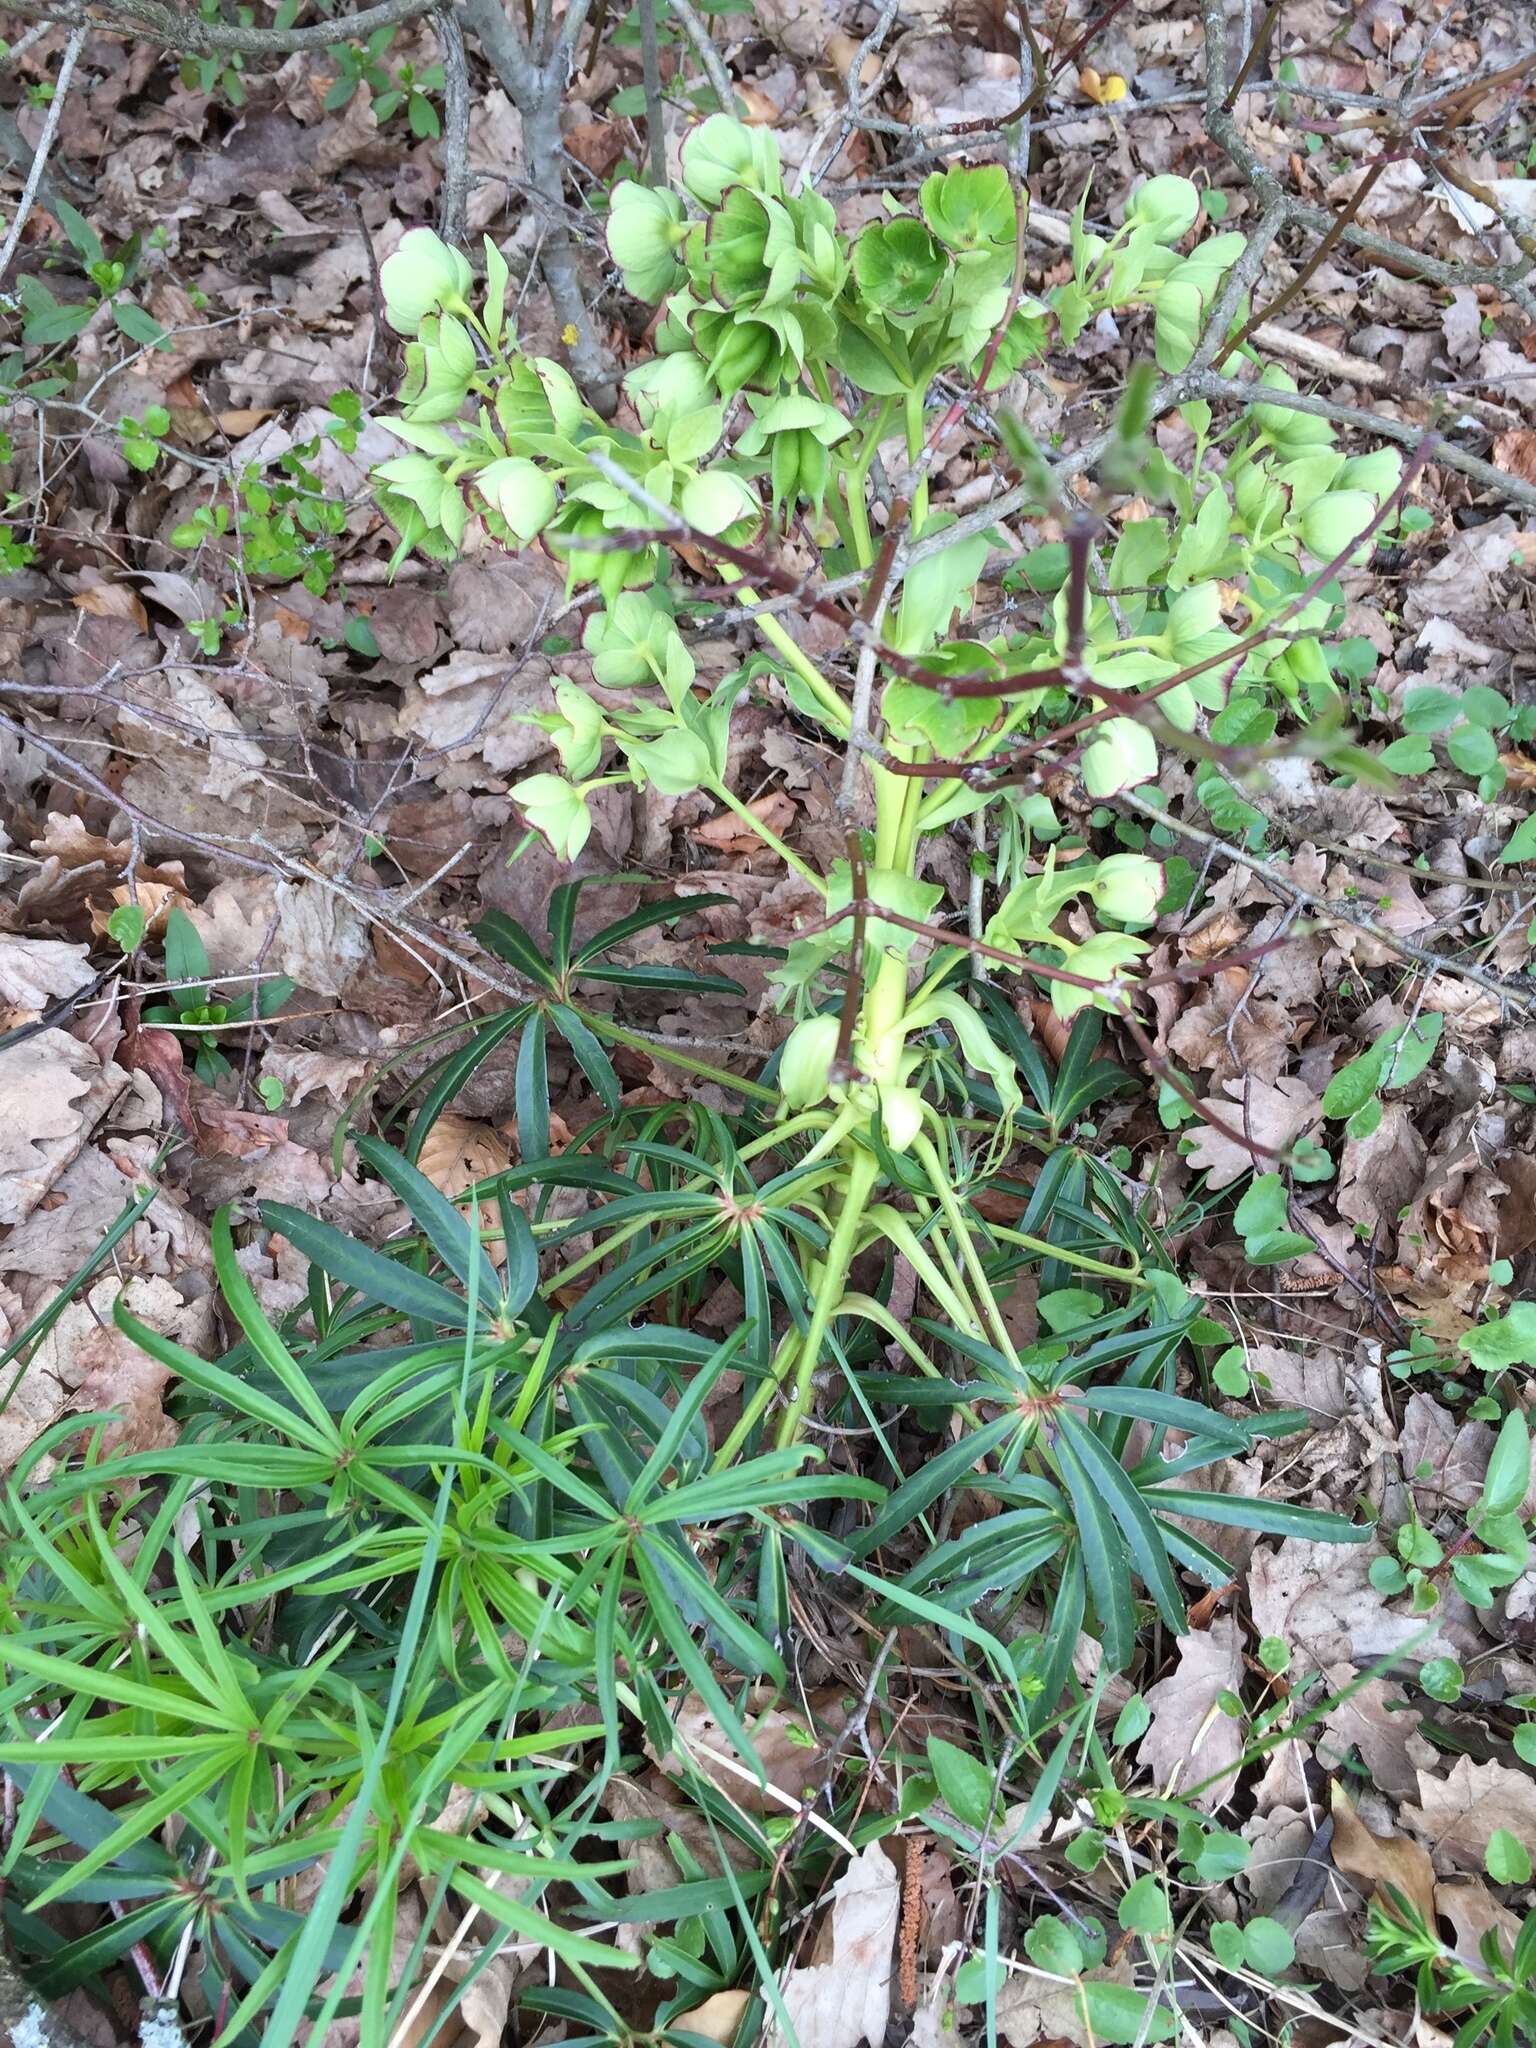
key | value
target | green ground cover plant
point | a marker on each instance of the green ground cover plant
(440, 1553)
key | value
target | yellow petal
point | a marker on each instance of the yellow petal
(1113, 88)
(570, 337)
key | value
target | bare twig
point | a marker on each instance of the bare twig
(1424, 957)
(177, 29)
(1206, 384)
(533, 70)
(710, 60)
(650, 68)
(454, 199)
(67, 63)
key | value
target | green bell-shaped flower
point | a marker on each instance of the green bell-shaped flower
(722, 152)
(898, 266)
(796, 431)
(645, 228)
(423, 276)
(520, 494)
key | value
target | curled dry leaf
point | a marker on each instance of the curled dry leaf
(35, 971)
(1457, 1814)
(1381, 1860)
(732, 835)
(792, 1752)
(53, 1091)
(458, 1151)
(1270, 1114)
(1190, 1738)
(717, 2018)
(846, 1999)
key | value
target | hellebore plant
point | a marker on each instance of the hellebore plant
(801, 385)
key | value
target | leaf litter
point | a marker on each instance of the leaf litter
(360, 774)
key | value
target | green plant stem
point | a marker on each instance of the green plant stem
(1128, 1276)
(674, 1057)
(981, 1286)
(863, 1172)
(769, 837)
(894, 1226)
(858, 520)
(782, 643)
(828, 1284)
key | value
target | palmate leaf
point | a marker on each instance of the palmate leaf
(935, 1477)
(1143, 1539)
(1271, 1517)
(644, 919)
(510, 941)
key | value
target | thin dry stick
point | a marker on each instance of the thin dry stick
(1206, 384)
(67, 63)
(710, 59)
(177, 29)
(1424, 957)
(534, 71)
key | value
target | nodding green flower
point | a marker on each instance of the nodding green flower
(971, 209)
(556, 811)
(796, 431)
(1167, 205)
(672, 385)
(898, 266)
(716, 500)
(520, 493)
(805, 1064)
(611, 569)
(1097, 959)
(423, 276)
(645, 227)
(1333, 522)
(1291, 433)
(742, 353)
(750, 251)
(1128, 886)
(1122, 755)
(722, 152)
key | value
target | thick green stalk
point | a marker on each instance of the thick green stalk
(863, 1172)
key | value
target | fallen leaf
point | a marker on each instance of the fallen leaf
(792, 1754)
(1516, 452)
(53, 1091)
(458, 1151)
(1473, 1910)
(1458, 1813)
(112, 601)
(846, 2000)
(85, 1363)
(156, 899)
(732, 835)
(34, 971)
(1379, 1175)
(1189, 1738)
(1271, 1114)
(1380, 1860)
(1375, 1721)
(716, 2019)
